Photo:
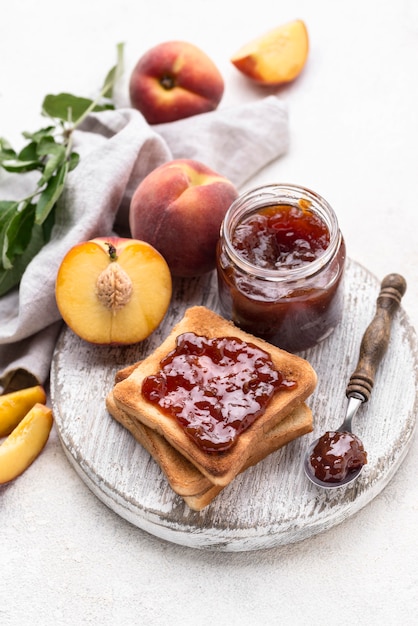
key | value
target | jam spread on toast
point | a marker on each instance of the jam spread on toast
(215, 388)
(336, 455)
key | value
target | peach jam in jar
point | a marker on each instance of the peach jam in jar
(280, 266)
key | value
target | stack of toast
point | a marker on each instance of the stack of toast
(194, 474)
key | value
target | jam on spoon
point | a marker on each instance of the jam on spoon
(337, 457)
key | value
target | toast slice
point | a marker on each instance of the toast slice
(220, 468)
(183, 477)
(298, 423)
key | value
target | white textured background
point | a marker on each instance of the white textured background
(65, 558)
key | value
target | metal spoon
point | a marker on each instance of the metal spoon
(372, 349)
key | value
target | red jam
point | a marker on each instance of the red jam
(280, 269)
(281, 237)
(336, 455)
(214, 388)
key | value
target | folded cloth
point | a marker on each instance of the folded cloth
(117, 150)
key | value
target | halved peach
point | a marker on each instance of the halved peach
(275, 57)
(113, 290)
(25, 442)
(15, 405)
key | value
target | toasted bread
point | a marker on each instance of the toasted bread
(182, 476)
(125, 371)
(220, 468)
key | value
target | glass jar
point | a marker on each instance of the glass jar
(292, 305)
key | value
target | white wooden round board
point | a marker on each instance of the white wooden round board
(272, 503)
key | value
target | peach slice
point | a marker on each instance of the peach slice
(113, 290)
(276, 57)
(15, 405)
(25, 442)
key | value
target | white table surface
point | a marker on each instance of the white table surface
(67, 559)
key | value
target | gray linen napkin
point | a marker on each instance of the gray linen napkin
(118, 149)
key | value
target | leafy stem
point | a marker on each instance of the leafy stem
(26, 224)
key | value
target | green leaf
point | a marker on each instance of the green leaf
(25, 161)
(57, 154)
(65, 106)
(39, 134)
(5, 145)
(107, 106)
(47, 226)
(114, 73)
(51, 165)
(69, 108)
(8, 209)
(20, 229)
(26, 225)
(5, 205)
(51, 193)
(10, 278)
(48, 145)
(73, 161)
(14, 165)
(6, 151)
(17, 234)
(29, 152)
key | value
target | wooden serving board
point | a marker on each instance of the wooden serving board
(268, 505)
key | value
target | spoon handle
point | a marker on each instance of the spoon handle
(376, 337)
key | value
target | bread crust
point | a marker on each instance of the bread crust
(220, 468)
(184, 478)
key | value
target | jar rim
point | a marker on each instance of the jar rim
(270, 195)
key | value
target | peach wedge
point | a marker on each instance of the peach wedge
(25, 442)
(113, 290)
(15, 405)
(277, 57)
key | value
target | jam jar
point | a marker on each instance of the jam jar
(280, 266)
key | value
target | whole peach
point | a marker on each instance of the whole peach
(174, 80)
(178, 209)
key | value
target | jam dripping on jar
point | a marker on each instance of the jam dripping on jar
(336, 455)
(215, 388)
